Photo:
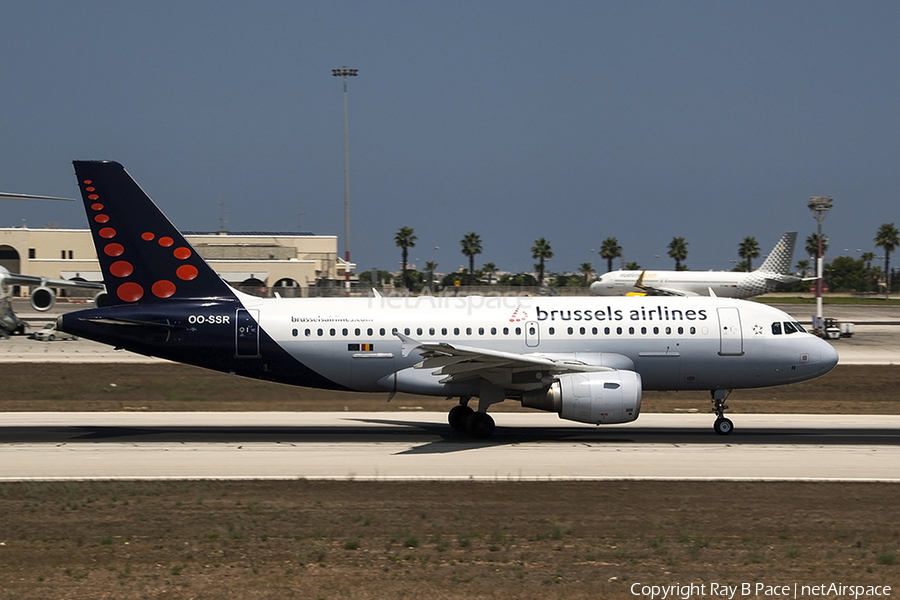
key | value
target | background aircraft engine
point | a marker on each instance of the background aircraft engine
(101, 299)
(42, 298)
(604, 397)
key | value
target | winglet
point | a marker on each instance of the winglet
(409, 344)
(640, 280)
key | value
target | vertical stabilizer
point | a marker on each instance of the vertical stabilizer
(144, 258)
(781, 256)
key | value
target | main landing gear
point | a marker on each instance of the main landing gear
(478, 425)
(723, 425)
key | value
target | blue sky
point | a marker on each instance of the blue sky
(573, 121)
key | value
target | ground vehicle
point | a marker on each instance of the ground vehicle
(50, 333)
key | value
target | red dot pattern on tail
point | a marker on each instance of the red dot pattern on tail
(131, 291)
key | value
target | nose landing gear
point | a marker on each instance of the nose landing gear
(722, 425)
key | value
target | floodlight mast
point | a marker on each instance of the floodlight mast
(344, 73)
(819, 205)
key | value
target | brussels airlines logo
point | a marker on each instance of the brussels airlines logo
(658, 313)
(518, 315)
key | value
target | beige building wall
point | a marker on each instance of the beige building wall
(241, 259)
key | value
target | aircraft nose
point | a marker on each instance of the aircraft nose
(828, 357)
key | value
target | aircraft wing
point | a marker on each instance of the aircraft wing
(659, 291)
(10, 196)
(19, 279)
(460, 363)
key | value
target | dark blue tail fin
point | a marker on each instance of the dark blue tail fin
(144, 258)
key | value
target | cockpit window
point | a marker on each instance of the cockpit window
(789, 327)
(776, 328)
(799, 327)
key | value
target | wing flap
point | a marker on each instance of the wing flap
(458, 363)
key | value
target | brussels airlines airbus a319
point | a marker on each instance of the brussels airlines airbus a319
(587, 359)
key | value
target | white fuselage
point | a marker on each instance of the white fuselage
(674, 343)
(725, 284)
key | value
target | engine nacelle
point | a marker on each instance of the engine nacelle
(42, 298)
(101, 299)
(602, 397)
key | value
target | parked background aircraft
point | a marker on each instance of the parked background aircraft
(42, 296)
(587, 359)
(725, 284)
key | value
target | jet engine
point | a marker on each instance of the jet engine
(42, 298)
(101, 299)
(600, 397)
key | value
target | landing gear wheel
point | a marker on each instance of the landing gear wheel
(723, 426)
(458, 415)
(479, 425)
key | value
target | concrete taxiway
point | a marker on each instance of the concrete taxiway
(401, 446)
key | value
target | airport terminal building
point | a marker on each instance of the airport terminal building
(262, 263)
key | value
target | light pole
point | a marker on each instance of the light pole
(344, 73)
(819, 205)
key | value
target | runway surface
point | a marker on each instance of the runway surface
(400, 446)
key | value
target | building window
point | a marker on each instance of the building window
(31, 253)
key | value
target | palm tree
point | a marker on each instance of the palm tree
(887, 238)
(803, 267)
(748, 250)
(678, 251)
(430, 266)
(541, 251)
(586, 269)
(471, 245)
(868, 257)
(609, 250)
(489, 270)
(405, 239)
(812, 244)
